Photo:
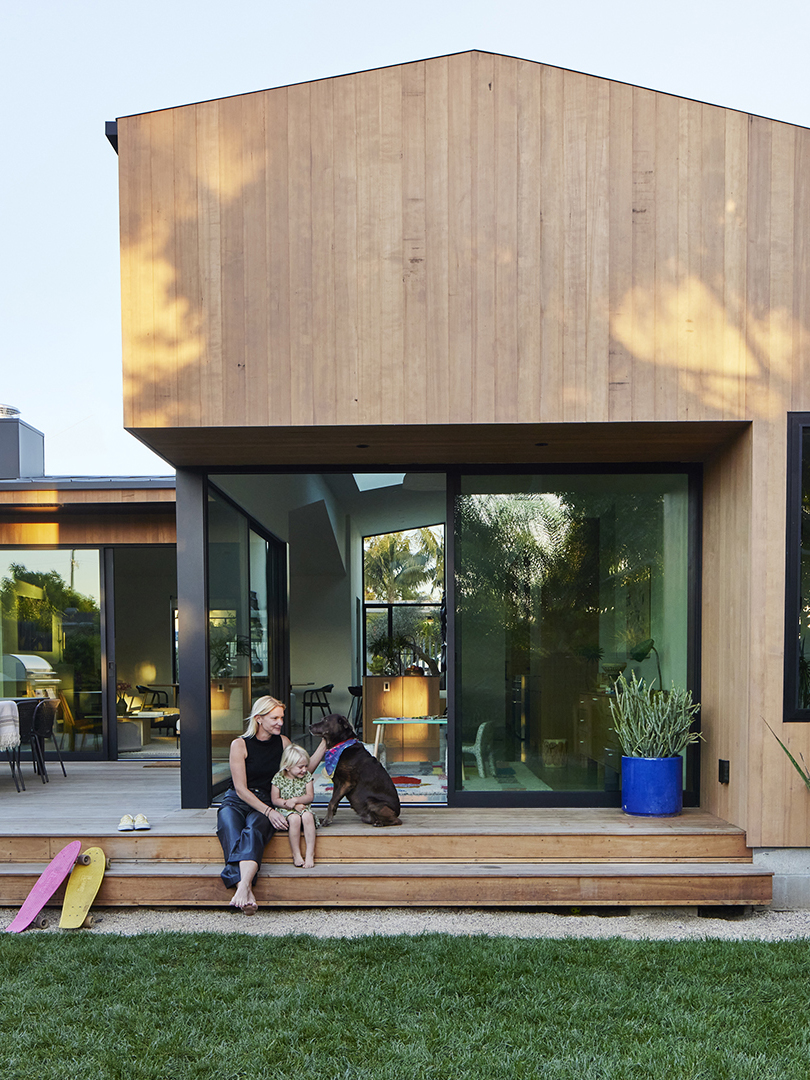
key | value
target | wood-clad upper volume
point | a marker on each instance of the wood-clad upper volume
(467, 239)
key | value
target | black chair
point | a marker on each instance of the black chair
(355, 715)
(315, 699)
(11, 754)
(26, 708)
(152, 699)
(158, 699)
(44, 720)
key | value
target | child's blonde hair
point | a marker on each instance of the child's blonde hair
(293, 755)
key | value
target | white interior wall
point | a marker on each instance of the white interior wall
(145, 584)
(323, 518)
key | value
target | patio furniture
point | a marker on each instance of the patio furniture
(26, 707)
(44, 719)
(10, 737)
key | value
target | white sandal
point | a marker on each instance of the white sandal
(141, 823)
(126, 824)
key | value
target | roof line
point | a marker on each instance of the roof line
(444, 56)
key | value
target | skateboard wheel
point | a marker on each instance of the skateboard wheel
(84, 859)
(108, 863)
(41, 922)
(88, 922)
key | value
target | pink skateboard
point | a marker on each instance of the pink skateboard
(49, 881)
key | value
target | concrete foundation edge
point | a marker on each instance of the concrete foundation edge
(791, 876)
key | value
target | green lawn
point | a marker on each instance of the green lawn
(172, 1006)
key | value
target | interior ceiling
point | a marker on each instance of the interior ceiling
(285, 503)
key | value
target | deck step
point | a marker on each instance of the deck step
(496, 884)
(360, 844)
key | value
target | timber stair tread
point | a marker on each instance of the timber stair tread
(178, 884)
(165, 868)
(396, 845)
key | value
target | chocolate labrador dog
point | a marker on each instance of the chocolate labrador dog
(357, 775)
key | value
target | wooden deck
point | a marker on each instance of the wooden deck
(439, 856)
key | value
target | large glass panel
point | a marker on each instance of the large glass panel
(803, 682)
(147, 687)
(229, 628)
(50, 637)
(266, 616)
(562, 582)
(246, 607)
(403, 586)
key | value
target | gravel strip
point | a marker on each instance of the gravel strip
(637, 924)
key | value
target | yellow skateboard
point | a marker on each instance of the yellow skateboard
(82, 886)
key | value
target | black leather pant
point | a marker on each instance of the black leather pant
(243, 833)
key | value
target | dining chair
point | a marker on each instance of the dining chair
(481, 749)
(26, 708)
(316, 699)
(44, 720)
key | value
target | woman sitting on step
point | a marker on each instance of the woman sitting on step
(246, 819)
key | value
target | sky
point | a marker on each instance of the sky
(66, 67)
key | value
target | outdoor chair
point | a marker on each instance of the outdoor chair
(26, 709)
(44, 720)
(481, 749)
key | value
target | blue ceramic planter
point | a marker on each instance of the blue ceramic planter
(652, 787)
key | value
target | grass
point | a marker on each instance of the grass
(177, 1006)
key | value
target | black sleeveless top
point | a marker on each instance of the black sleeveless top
(261, 765)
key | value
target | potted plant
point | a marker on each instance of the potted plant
(654, 728)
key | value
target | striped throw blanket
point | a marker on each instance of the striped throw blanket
(9, 725)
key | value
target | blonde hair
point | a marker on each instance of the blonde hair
(261, 706)
(293, 755)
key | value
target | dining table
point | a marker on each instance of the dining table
(441, 721)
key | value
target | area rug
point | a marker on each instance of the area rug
(509, 776)
(427, 783)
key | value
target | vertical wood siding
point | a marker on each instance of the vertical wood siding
(477, 239)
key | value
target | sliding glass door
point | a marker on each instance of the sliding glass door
(246, 622)
(561, 583)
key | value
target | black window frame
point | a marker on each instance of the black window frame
(389, 605)
(796, 425)
(563, 799)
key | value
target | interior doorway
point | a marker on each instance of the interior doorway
(147, 665)
(323, 520)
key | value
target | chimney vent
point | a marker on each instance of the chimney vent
(22, 448)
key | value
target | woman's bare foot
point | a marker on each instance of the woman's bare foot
(243, 898)
(298, 861)
(309, 864)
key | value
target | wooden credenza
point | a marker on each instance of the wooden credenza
(401, 695)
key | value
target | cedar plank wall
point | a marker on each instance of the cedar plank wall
(92, 530)
(49, 516)
(477, 239)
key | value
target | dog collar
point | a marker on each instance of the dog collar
(332, 756)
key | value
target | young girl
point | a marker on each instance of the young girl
(292, 794)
